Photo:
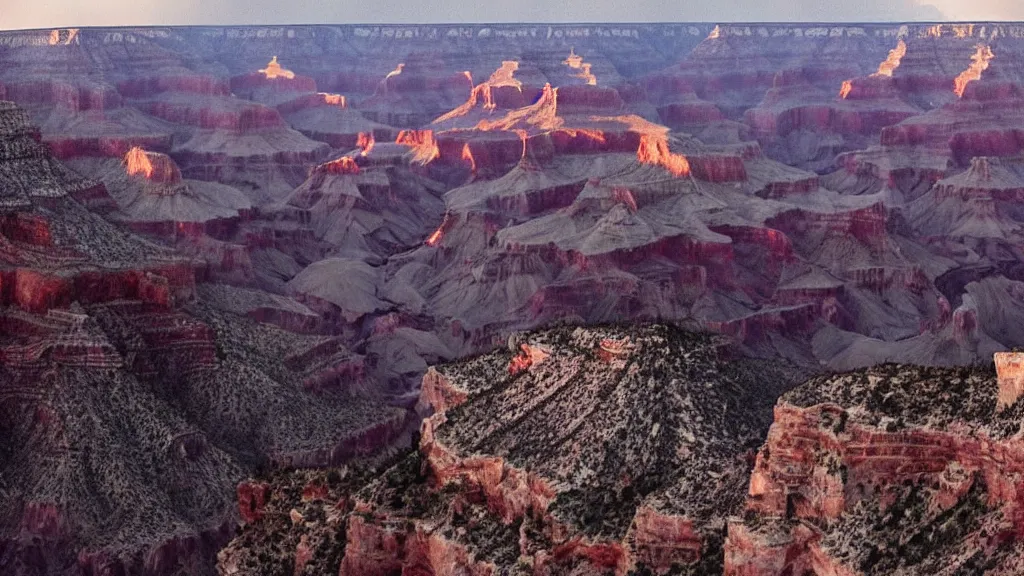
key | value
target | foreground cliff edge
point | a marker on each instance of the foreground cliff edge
(889, 470)
(581, 451)
(594, 449)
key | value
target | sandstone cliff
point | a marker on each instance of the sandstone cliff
(890, 470)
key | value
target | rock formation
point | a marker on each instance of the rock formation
(889, 470)
(152, 198)
(396, 196)
(134, 400)
(815, 195)
(894, 469)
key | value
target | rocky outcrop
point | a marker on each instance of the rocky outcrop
(272, 84)
(920, 458)
(227, 139)
(518, 503)
(357, 209)
(415, 91)
(86, 117)
(974, 204)
(894, 469)
(378, 550)
(1011, 380)
(328, 118)
(964, 129)
(153, 199)
(438, 394)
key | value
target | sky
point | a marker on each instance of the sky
(15, 14)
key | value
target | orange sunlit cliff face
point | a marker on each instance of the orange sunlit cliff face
(886, 68)
(55, 37)
(424, 148)
(151, 166)
(979, 63)
(528, 356)
(437, 235)
(365, 142)
(503, 76)
(274, 70)
(137, 163)
(654, 150)
(396, 71)
(891, 63)
(542, 115)
(335, 100)
(343, 165)
(846, 88)
(576, 62)
(963, 30)
(654, 147)
(467, 155)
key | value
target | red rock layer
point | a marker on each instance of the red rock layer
(374, 549)
(241, 118)
(820, 461)
(142, 87)
(39, 291)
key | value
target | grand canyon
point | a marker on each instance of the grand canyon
(733, 299)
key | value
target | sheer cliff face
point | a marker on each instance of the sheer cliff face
(561, 455)
(272, 232)
(889, 470)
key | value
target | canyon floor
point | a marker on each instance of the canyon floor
(227, 252)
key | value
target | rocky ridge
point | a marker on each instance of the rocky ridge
(894, 469)
(546, 457)
(888, 470)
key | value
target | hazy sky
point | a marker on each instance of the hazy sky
(68, 13)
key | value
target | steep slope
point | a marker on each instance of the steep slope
(895, 469)
(132, 400)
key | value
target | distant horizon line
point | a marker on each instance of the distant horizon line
(595, 23)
